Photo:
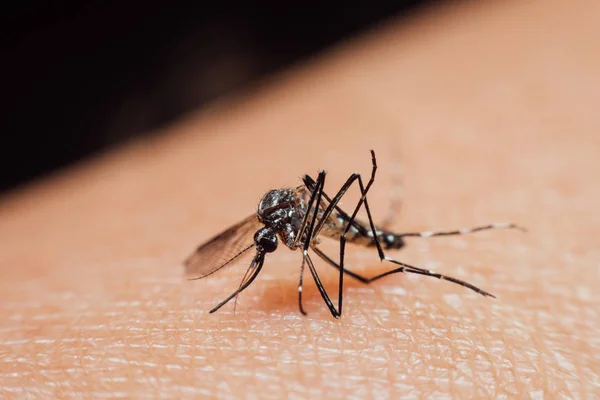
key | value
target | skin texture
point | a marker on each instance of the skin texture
(483, 112)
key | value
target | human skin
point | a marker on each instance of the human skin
(479, 112)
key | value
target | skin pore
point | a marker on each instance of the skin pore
(493, 114)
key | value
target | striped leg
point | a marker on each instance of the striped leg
(410, 268)
(463, 231)
(404, 268)
(395, 241)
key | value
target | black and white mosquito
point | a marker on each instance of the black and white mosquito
(299, 217)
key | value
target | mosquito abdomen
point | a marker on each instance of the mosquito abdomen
(391, 241)
(388, 240)
(360, 233)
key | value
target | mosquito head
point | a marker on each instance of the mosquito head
(266, 240)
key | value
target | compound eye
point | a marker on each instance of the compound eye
(266, 239)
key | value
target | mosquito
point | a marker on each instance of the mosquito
(299, 217)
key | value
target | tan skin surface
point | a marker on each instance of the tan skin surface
(492, 114)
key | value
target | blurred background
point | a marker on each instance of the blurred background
(79, 77)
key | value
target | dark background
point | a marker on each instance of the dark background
(80, 77)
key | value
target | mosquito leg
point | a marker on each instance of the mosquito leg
(313, 271)
(333, 205)
(317, 187)
(405, 268)
(317, 193)
(314, 196)
(311, 233)
(463, 231)
(309, 182)
(362, 200)
(329, 261)
(356, 276)
(257, 263)
(409, 268)
(300, 287)
(460, 282)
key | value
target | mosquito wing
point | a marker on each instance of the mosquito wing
(223, 249)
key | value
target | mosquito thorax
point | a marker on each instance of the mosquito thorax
(266, 239)
(282, 211)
